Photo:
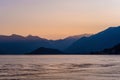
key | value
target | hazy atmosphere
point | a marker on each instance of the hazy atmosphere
(59, 39)
(55, 19)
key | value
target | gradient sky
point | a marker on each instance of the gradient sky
(55, 19)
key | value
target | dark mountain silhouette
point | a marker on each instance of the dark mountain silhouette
(43, 50)
(16, 44)
(113, 50)
(98, 42)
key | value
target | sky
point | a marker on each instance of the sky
(54, 19)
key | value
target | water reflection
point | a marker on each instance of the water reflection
(105, 68)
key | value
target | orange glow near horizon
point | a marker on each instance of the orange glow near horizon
(54, 19)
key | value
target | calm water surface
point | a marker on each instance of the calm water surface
(60, 67)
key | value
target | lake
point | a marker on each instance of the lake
(60, 67)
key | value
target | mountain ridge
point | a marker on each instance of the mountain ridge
(97, 42)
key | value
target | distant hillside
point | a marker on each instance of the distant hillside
(16, 44)
(43, 51)
(98, 42)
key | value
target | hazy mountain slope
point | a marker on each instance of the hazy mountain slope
(65, 43)
(97, 42)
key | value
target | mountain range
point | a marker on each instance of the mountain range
(80, 44)
(16, 44)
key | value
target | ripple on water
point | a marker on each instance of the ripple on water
(104, 69)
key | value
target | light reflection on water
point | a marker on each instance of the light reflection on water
(60, 67)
